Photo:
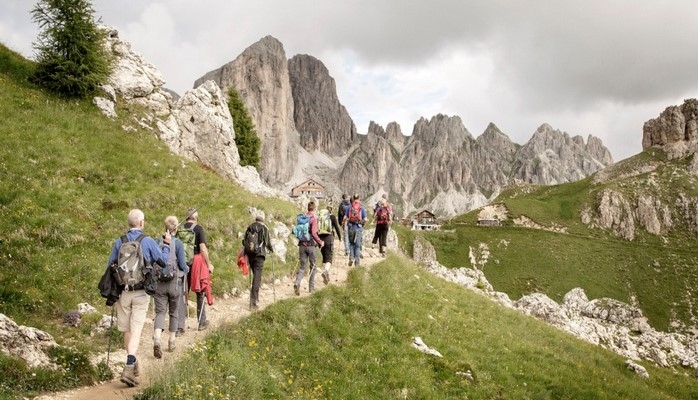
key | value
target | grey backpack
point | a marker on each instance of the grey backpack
(129, 263)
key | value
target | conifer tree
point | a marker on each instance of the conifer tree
(71, 58)
(246, 138)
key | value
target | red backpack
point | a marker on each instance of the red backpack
(355, 212)
(382, 215)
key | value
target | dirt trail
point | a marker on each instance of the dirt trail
(229, 309)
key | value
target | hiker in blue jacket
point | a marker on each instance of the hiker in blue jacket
(355, 218)
(132, 305)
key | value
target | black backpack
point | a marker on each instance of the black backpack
(253, 240)
(169, 271)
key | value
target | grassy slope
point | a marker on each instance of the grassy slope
(70, 176)
(656, 273)
(354, 342)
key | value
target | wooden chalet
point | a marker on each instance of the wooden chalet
(309, 187)
(425, 220)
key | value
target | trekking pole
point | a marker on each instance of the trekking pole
(273, 280)
(194, 212)
(111, 326)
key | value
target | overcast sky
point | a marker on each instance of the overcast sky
(598, 68)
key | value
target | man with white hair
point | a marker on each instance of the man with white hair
(133, 302)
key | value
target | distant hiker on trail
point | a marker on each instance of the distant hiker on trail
(200, 268)
(132, 257)
(306, 232)
(341, 213)
(168, 295)
(256, 243)
(327, 225)
(382, 216)
(355, 218)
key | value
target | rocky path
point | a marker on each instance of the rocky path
(223, 310)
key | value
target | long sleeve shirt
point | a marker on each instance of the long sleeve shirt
(151, 251)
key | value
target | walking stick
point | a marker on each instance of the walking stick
(111, 326)
(273, 280)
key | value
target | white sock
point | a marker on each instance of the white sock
(157, 334)
(327, 267)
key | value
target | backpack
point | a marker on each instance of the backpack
(253, 241)
(169, 271)
(355, 212)
(302, 228)
(324, 223)
(188, 238)
(130, 263)
(382, 215)
(342, 212)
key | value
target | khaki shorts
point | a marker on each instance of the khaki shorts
(131, 310)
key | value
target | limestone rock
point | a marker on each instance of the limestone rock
(198, 126)
(322, 121)
(675, 130)
(261, 77)
(25, 342)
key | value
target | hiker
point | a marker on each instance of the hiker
(133, 302)
(355, 218)
(200, 268)
(341, 212)
(382, 216)
(257, 255)
(168, 296)
(327, 226)
(306, 251)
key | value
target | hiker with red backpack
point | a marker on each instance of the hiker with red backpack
(382, 216)
(355, 218)
(131, 261)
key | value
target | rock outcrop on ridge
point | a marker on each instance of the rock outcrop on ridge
(604, 322)
(197, 126)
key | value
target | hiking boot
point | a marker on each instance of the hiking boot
(136, 370)
(296, 290)
(180, 332)
(326, 277)
(254, 307)
(203, 325)
(351, 262)
(171, 346)
(157, 350)
(128, 376)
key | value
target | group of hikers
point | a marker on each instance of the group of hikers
(178, 262)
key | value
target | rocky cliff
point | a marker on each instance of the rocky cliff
(261, 77)
(440, 166)
(653, 192)
(323, 122)
(197, 126)
(675, 130)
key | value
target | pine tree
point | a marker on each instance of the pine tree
(246, 138)
(71, 58)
